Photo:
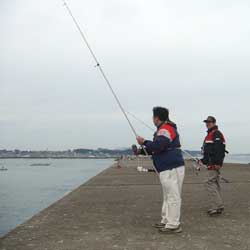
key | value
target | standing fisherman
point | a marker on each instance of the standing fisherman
(169, 163)
(213, 156)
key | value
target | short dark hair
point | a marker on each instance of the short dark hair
(162, 113)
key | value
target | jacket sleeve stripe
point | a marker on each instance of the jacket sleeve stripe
(164, 132)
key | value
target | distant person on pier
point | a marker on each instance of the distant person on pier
(169, 163)
(214, 149)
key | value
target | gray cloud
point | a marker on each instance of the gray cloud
(191, 56)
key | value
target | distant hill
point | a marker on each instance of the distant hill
(75, 153)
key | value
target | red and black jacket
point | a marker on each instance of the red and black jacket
(214, 148)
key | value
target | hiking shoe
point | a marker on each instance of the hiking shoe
(170, 230)
(218, 210)
(215, 211)
(159, 225)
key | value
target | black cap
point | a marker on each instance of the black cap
(210, 119)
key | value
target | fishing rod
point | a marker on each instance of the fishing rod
(98, 65)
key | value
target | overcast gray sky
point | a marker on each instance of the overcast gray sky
(190, 56)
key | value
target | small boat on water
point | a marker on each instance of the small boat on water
(3, 168)
(40, 164)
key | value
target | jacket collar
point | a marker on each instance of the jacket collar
(169, 123)
(212, 129)
(159, 126)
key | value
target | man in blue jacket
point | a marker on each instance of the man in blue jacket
(169, 163)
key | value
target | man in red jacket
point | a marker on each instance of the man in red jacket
(214, 149)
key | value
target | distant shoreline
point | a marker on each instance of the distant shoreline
(59, 157)
(227, 161)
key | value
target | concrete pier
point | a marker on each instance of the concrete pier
(117, 208)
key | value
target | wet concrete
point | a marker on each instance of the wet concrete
(117, 208)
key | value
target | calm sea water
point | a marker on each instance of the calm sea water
(25, 190)
(238, 158)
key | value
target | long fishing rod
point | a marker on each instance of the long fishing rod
(102, 72)
(99, 66)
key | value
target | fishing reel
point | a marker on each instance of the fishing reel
(139, 151)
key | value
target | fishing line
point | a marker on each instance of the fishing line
(139, 120)
(149, 127)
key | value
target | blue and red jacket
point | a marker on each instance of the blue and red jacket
(165, 148)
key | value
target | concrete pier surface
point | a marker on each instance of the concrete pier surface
(117, 208)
